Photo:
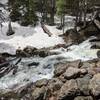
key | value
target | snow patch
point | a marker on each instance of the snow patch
(28, 36)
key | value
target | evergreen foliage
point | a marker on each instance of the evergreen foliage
(25, 11)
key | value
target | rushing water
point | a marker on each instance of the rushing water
(44, 67)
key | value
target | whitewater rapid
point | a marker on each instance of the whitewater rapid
(45, 69)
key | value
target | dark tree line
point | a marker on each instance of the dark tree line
(26, 11)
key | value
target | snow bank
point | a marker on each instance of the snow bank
(27, 36)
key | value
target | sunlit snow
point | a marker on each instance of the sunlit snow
(27, 36)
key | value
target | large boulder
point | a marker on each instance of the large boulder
(60, 69)
(71, 36)
(54, 84)
(75, 64)
(95, 85)
(83, 84)
(68, 90)
(74, 72)
(89, 30)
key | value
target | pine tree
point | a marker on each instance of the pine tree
(23, 11)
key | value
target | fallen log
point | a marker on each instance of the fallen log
(5, 70)
(46, 30)
(7, 62)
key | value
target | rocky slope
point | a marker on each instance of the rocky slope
(72, 81)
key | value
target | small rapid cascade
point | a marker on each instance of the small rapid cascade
(44, 67)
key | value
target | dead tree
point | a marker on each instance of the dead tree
(45, 29)
(4, 70)
(10, 30)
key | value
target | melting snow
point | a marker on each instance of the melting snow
(27, 36)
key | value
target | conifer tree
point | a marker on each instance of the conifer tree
(23, 11)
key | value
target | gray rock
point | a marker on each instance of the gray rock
(95, 85)
(29, 50)
(41, 83)
(54, 84)
(98, 64)
(74, 72)
(98, 54)
(71, 36)
(38, 93)
(68, 90)
(75, 64)
(60, 69)
(83, 84)
(88, 65)
(89, 30)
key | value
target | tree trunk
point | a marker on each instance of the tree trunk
(10, 30)
(52, 12)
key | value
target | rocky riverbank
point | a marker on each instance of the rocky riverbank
(72, 81)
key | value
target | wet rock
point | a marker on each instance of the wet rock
(83, 98)
(33, 64)
(41, 52)
(54, 84)
(74, 72)
(95, 43)
(41, 83)
(98, 54)
(68, 90)
(21, 53)
(95, 47)
(29, 50)
(38, 93)
(95, 85)
(59, 46)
